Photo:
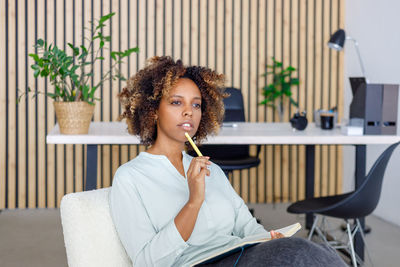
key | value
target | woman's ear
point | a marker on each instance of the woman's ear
(156, 117)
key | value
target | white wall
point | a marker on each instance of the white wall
(376, 27)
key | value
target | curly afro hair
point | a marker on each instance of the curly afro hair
(142, 95)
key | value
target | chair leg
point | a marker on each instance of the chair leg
(316, 228)
(313, 227)
(322, 235)
(353, 253)
(365, 243)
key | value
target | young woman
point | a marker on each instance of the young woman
(171, 209)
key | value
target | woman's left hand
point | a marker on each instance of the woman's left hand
(276, 235)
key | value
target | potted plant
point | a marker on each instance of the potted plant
(279, 90)
(70, 74)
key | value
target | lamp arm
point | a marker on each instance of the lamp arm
(359, 55)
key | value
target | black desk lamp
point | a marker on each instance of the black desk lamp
(337, 41)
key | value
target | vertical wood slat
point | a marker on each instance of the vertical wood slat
(69, 35)
(3, 111)
(278, 54)
(333, 23)
(260, 81)
(96, 11)
(116, 28)
(21, 112)
(106, 109)
(40, 191)
(244, 76)
(269, 51)
(31, 133)
(236, 77)
(234, 37)
(302, 98)
(340, 93)
(253, 73)
(11, 112)
(124, 43)
(81, 20)
(293, 58)
(50, 163)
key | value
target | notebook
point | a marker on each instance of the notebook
(248, 242)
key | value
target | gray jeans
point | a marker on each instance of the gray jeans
(283, 252)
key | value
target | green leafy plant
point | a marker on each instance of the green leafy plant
(70, 74)
(277, 92)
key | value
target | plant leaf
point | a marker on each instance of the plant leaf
(290, 68)
(113, 55)
(54, 96)
(106, 17)
(40, 42)
(34, 56)
(84, 49)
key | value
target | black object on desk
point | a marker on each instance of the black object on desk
(299, 121)
(327, 121)
(376, 104)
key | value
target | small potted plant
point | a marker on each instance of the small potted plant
(279, 90)
(70, 76)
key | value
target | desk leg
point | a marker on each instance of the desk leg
(310, 160)
(360, 176)
(91, 167)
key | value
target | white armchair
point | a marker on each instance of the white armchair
(89, 233)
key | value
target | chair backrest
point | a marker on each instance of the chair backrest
(364, 200)
(234, 112)
(89, 233)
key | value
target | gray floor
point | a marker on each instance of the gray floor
(34, 237)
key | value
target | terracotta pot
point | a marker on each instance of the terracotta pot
(74, 117)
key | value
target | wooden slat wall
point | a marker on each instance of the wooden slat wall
(235, 37)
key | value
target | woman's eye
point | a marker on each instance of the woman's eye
(176, 102)
(197, 105)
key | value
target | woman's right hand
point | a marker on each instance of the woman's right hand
(195, 176)
(276, 235)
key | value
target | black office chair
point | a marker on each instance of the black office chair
(354, 205)
(232, 157)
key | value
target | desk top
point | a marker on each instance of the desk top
(244, 133)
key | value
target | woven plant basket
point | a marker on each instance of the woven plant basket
(74, 117)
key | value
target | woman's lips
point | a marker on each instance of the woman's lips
(186, 126)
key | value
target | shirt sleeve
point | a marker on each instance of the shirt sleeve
(245, 223)
(144, 245)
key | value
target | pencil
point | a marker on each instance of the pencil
(193, 145)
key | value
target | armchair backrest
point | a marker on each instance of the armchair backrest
(89, 233)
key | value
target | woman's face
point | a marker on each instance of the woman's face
(179, 112)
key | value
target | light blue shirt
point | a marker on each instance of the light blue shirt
(148, 192)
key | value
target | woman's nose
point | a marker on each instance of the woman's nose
(187, 112)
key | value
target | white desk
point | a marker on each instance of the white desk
(101, 133)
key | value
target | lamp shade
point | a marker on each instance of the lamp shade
(337, 40)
